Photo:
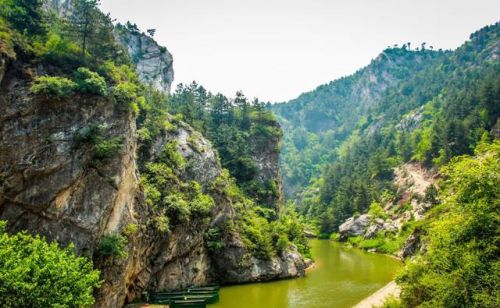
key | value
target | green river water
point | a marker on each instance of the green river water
(341, 278)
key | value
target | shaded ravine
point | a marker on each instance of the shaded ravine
(342, 277)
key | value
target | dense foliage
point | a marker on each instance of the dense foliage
(461, 265)
(34, 273)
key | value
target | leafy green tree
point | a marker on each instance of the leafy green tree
(34, 273)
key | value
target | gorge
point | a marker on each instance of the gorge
(162, 190)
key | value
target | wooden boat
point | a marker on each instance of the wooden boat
(206, 288)
(188, 303)
(209, 298)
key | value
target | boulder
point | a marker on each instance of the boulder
(354, 226)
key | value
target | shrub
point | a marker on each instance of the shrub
(34, 273)
(130, 229)
(53, 86)
(162, 223)
(282, 243)
(107, 148)
(26, 16)
(172, 157)
(113, 244)
(90, 82)
(178, 206)
(335, 237)
(213, 240)
(118, 74)
(125, 93)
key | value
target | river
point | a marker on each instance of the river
(341, 278)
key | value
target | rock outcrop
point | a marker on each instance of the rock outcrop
(414, 185)
(54, 184)
(154, 63)
(355, 226)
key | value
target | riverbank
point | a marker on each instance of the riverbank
(377, 298)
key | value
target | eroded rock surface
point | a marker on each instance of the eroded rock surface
(52, 183)
(154, 63)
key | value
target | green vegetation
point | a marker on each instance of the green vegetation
(265, 238)
(26, 16)
(239, 129)
(90, 82)
(103, 146)
(53, 86)
(429, 113)
(460, 267)
(34, 273)
(114, 245)
(318, 123)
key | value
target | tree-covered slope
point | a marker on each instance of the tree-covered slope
(438, 111)
(317, 122)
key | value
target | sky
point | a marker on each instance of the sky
(277, 49)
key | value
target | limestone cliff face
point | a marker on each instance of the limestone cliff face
(154, 63)
(53, 184)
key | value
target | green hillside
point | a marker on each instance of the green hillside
(427, 113)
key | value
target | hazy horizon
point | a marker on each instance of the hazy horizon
(276, 50)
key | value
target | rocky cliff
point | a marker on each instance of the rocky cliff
(154, 63)
(54, 181)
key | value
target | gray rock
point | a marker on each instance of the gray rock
(354, 226)
(412, 244)
(154, 63)
(372, 231)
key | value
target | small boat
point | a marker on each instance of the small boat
(188, 303)
(208, 298)
(206, 288)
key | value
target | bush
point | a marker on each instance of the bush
(53, 86)
(213, 240)
(34, 273)
(107, 148)
(130, 229)
(162, 224)
(118, 74)
(125, 93)
(26, 16)
(114, 245)
(90, 82)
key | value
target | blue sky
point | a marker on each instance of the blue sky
(277, 49)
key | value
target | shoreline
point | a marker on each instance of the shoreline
(378, 297)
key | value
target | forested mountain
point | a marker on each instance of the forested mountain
(317, 122)
(429, 107)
